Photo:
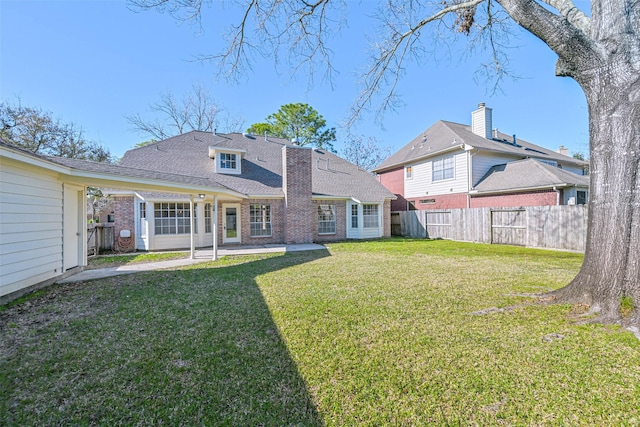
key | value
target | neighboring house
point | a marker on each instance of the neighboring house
(452, 165)
(278, 192)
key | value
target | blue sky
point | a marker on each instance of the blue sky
(94, 62)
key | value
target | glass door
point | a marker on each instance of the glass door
(231, 223)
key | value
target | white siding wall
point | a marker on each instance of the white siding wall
(482, 162)
(422, 182)
(573, 169)
(30, 227)
(163, 242)
(364, 233)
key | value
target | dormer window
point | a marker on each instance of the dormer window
(227, 160)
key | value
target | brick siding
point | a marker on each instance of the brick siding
(124, 216)
(386, 218)
(533, 198)
(394, 182)
(296, 184)
(341, 221)
(445, 201)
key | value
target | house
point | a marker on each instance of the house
(43, 223)
(276, 192)
(451, 165)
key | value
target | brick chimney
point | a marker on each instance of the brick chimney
(481, 121)
(296, 184)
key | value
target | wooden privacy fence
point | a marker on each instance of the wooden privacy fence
(552, 227)
(99, 238)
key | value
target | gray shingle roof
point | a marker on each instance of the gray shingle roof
(445, 135)
(187, 154)
(527, 174)
(119, 170)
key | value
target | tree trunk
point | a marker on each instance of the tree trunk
(611, 267)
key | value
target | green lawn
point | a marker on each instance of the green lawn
(393, 332)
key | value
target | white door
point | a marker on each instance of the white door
(231, 223)
(72, 233)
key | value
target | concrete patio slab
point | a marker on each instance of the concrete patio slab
(201, 255)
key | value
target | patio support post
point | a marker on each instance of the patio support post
(215, 228)
(191, 215)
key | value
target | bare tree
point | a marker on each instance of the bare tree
(196, 111)
(601, 52)
(36, 130)
(364, 152)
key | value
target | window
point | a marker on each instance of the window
(207, 218)
(327, 219)
(260, 220)
(427, 201)
(172, 218)
(227, 161)
(409, 172)
(143, 210)
(581, 198)
(443, 169)
(370, 216)
(354, 216)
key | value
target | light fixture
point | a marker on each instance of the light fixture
(201, 196)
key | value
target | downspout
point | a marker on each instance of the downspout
(215, 228)
(469, 176)
(193, 251)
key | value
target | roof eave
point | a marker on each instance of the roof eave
(416, 159)
(525, 189)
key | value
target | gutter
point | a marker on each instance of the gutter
(519, 190)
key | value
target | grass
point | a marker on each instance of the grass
(105, 261)
(394, 332)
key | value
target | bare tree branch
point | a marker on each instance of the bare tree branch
(196, 111)
(574, 15)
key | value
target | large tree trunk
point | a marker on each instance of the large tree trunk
(602, 54)
(611, 267)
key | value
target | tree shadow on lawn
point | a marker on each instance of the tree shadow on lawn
(195, 346)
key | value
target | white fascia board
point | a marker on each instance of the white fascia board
(215, 149)
(519, 190)
(261, 196)
(32, 160)
(141, 184)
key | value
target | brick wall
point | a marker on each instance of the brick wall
(296, 184)
(445, 201)
(534, 198)
(386, 217)
(394, 182)
(341, 221)
(124, 216)
(277, 222)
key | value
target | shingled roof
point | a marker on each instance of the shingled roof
(527, 174)
(261, 176)
(444, 136)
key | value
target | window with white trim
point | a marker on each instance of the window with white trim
(228, 161)
(370, 216)
(172, 218)
(207, 218)
(354, 216)
(327, 219)
(260, 220)
(409, 172)
(443, 168)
